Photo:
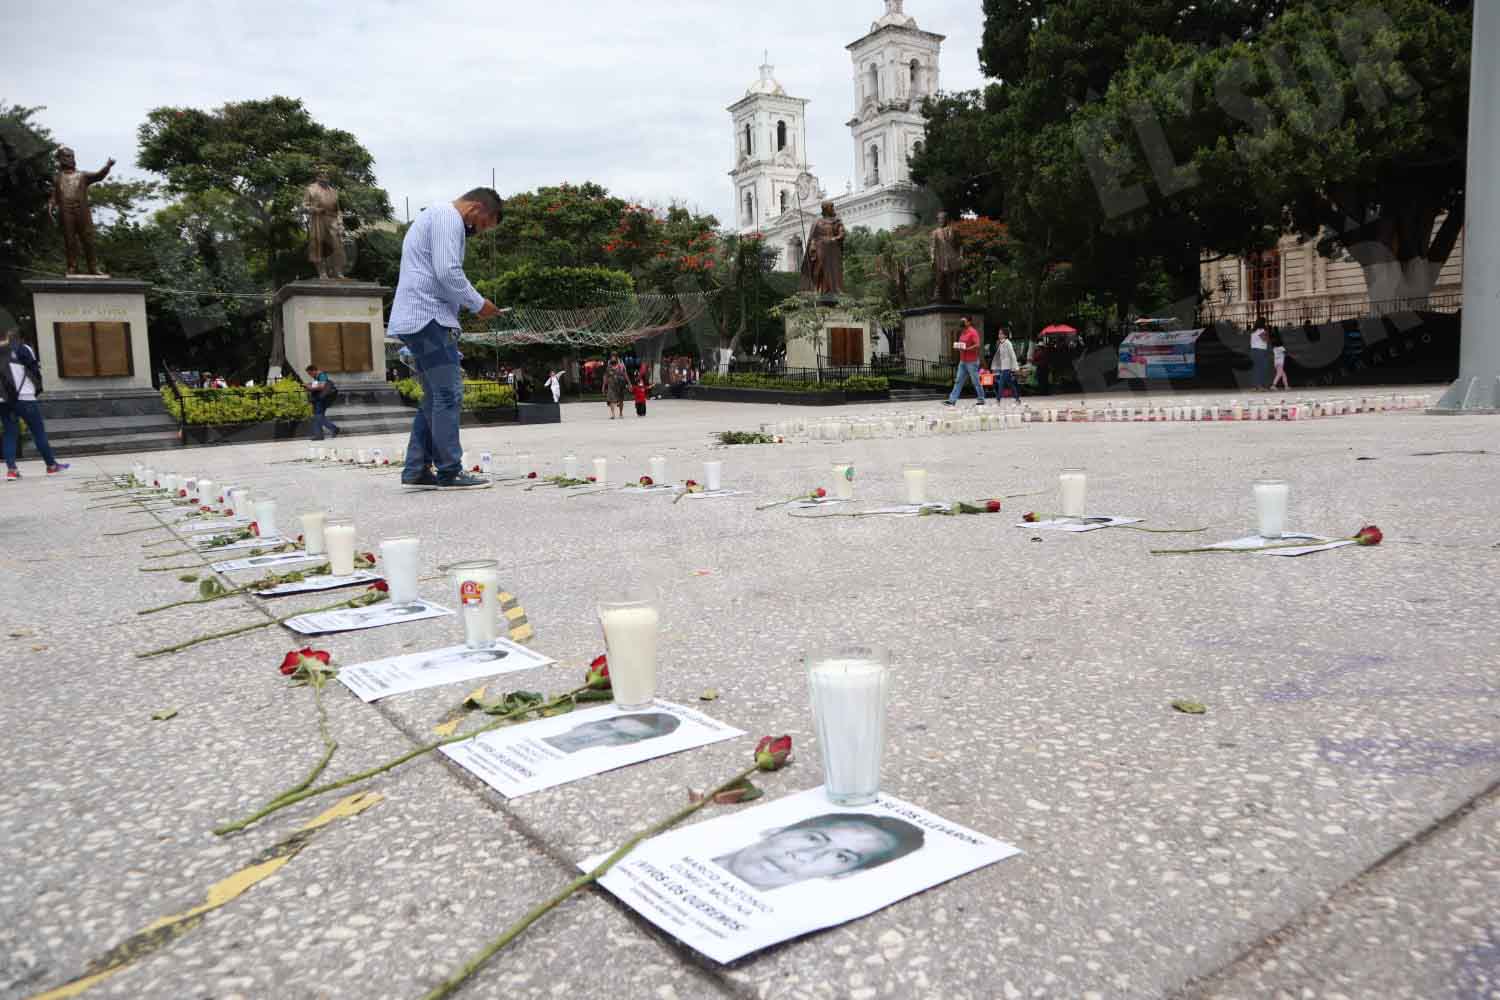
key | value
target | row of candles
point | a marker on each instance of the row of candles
(521, 464)
(922, 423)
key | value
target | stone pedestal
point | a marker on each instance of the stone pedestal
(842, 340)
(932, 330)
(337, 325)
(91, 336)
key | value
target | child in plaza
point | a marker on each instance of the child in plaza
(1278, 355)
(639, 390)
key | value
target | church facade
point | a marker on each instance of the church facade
(895, 67)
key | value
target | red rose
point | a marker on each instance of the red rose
(221, 499)
(691, 482)
(299, 539)
(368, 557)
(531, 475)
(381, 586)
(293, 660)
(156, 483)
(592, 479)
(993, 506)
(819, 493)
(182, 493)
(205, 509)
(255, 529)
(771, 753)
(1031, 518)
(598, 675)
(386, 462)
(647, 481)
(475, 469)
(1369, 535)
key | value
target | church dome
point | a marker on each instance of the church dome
(894, 17)
(766, 84)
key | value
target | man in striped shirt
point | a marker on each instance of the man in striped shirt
(431, 291)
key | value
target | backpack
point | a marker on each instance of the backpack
(330, 392)
(22, 356)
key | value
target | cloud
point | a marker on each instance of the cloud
(630, 95)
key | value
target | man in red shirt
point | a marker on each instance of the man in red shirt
(967, 347)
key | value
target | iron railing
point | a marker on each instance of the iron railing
(1320, 310)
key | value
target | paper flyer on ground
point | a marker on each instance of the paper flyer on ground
(1319, 543)
(810, 503)
(374, 616)
(275, 561)
(715, 494)
(754, 877)
(517, 760)
(223, 525)
(314, 584)
(1079, 524)
(202, 544)
(431, 668)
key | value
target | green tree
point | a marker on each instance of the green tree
(26, 231)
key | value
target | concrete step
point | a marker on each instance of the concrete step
(67, 428)
(109, 444)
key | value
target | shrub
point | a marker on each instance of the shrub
(478, 395)
(751, 380)
(285, 400)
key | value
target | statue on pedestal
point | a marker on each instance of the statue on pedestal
(325, 227)
(70, 205)
(947, 262)
(823, 266)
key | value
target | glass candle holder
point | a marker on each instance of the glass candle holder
(916, 483)
(486, 462)
(570, 467)
(477, 584)
(632, 623)
(313, 525)
(361, 457)
(1271, 497)
(850, 688)
(265, 517)
(338, 539)
(601, 471)
(843, 479)
(398, 557)
(658, 469)
(1072, 487)
(713, 476)
(203, 492)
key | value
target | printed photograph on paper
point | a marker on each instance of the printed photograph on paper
(516, 760)
(435, 667)
(374, 616)
(262, 563)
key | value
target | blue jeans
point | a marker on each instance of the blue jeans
(1260, 362)
(30, 411)
(971, 369)
(320, 421)
(1006, 377)
(434, 430)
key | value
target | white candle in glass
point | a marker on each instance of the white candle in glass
(630, 638)
(486, 462)
(466, 461)
(601, 471)
(916, 484)
(523, 464)
(377, 455)
(843, 480)
(1072, 485)
(204, 492)
(265, 517)
(477, 584)
(361, 457)
(713, 475)
(313, 524)
(312, 453)
(169, 483)
(338, 539)
(570, 467)
(398, 557)
(149, 477)
(658, 469)
(1271, 496)
(849, 696)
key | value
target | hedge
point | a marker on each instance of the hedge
(286, 400)
(478, 395)
(750, 380)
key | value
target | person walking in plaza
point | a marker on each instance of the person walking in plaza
(1278, 355)
(640, 390)
(1260, 356)
(20, 385)
(616, 385)
(429, 294)
(967, 346)
(1004, 366)
(321, 392)
(554, 382)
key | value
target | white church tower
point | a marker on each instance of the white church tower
(770, 151)
(895, 68)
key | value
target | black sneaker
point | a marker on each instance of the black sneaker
(948, 402)
(425, 479)
(460, 480)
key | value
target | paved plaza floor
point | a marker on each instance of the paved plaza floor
(1329, 828)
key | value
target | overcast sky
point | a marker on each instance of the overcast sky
(628, 93)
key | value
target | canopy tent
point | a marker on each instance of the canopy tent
(1059, 330)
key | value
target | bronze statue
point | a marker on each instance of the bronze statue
(947, 262)
(70, 201)
(823, 266)
(325, 227)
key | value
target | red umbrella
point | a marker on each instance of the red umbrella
(1057, 329)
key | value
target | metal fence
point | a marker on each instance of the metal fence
(1315, 312)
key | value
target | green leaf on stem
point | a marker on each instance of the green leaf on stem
(163, 715)
(1190, 707)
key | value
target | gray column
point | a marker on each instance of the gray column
(1478, 385)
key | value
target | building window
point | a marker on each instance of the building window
(916, 78)
(749, 207)
(872, 83)
(916, 148)
(783, 198)
(749, 140)
(874, 164)
(1264, 272)
(780, 136)
(93, 350)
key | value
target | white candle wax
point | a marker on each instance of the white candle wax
(630, 635)
(361, 457)
(849, 701)
(843, 480)
(466, 461)
(486, 462)
(658, 469)
(713, 475)
(601, 471)
(312, 532)
(339, 540)
(523, 464)
(169, 483)
(312, 452)
(398, 557)
(1072, 486)
(916, 485)
(265, 517)
(1271, 498)
(205, 491)
(479, 605)
(570, 467)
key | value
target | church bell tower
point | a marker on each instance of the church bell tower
(895, 69)
(770, 151)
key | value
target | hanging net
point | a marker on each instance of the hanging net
(620, 323)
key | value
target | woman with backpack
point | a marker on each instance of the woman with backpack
(21, 384)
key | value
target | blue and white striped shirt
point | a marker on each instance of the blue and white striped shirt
(433, 285)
